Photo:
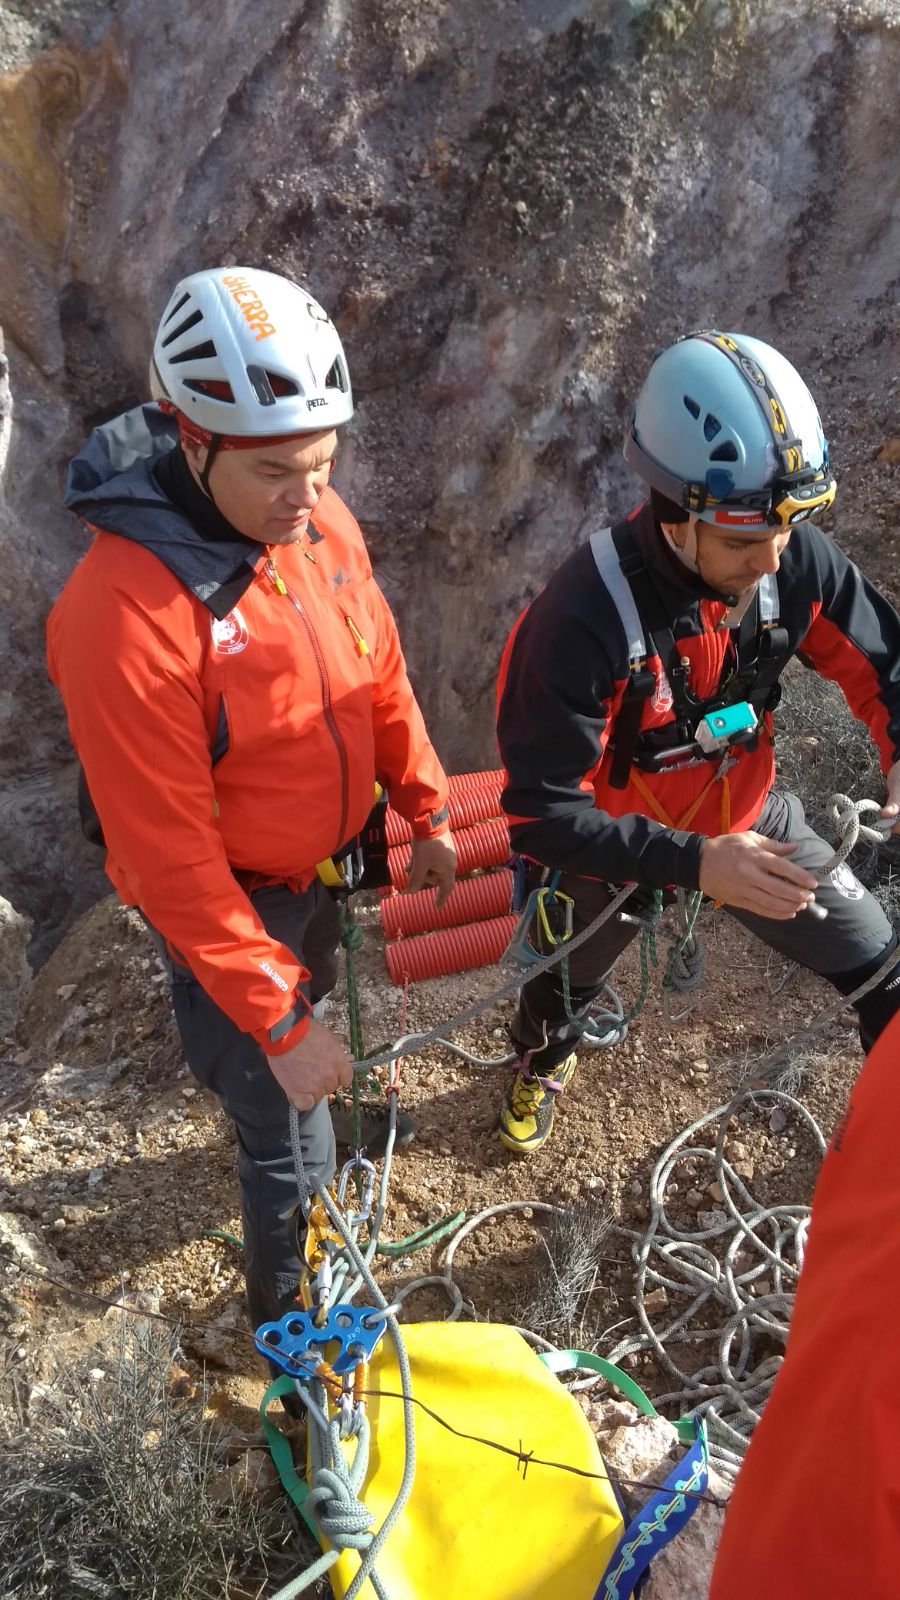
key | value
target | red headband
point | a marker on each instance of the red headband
(191, 433)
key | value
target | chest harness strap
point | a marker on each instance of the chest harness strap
(757, 656)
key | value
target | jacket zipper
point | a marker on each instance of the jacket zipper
(281, 587)
(358, 639)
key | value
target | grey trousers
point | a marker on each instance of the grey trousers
(846, 948)
(234, 1067)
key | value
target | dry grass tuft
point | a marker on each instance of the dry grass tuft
(565, 1298)
(111, 1489)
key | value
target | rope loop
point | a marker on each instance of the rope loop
(847, 815)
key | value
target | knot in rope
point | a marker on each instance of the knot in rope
(333, 1497)
(685, 969)
(606, 1026)
(352, 936)
(847, 814)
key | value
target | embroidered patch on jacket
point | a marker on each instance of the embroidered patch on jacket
(230, 634)
(663, 698)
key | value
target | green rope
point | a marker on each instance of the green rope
(352, 939)
(418, 1241)
(649, 957)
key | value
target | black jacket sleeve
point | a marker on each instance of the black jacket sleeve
(552, 722)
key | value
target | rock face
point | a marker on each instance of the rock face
(15, 973)
(506, 221)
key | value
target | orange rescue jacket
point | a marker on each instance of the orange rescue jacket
(815, 1512)
(216, 741)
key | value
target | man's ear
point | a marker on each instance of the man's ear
(195, 454)
(677, 532)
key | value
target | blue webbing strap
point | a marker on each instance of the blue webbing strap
(664, 1515)
(669, 1507)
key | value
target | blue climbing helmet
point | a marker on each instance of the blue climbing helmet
(726, 428)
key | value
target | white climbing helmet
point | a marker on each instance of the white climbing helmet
(726, 428)
(248, 353)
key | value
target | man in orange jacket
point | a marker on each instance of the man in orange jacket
(234, 686)
(815, 1512)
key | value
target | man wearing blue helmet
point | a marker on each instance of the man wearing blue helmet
(637, 693)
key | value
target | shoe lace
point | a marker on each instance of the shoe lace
(526, 1096)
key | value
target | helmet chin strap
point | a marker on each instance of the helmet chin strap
(211, 453)
(688, 556)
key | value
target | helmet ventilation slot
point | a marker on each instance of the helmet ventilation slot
(183, 327)
(198, 352)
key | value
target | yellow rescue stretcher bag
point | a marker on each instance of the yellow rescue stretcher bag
(481, 1524)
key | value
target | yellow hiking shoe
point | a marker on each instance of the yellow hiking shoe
(526, 1114)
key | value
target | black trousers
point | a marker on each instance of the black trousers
(846, 947)
(234, 1067)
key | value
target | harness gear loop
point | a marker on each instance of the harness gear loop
(538, 906)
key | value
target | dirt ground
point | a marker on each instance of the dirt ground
(123, 1167)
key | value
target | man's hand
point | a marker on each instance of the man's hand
(432, 864)
(317, 1066)
(892, 809)
(752, 873)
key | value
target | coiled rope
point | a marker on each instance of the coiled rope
(715, 1268)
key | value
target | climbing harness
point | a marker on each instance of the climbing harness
(552, 912)
(701, 730)
(364, 858)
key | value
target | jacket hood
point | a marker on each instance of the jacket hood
(110, 484)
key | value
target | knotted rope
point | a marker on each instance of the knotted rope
(847, 815)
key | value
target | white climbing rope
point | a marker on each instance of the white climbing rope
(847, 815)
(710, 1275)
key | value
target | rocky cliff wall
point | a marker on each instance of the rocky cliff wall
(507, 208)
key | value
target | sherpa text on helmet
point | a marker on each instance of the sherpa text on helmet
(245, 353)
(726, 428)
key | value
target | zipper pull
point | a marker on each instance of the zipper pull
(358, 639)
(275, 576)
